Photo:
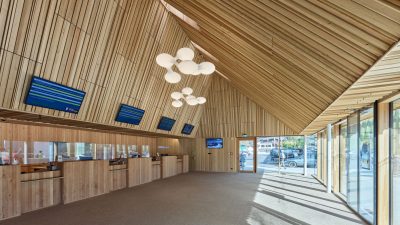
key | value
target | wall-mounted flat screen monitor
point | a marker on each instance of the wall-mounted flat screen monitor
(166, 123)
(48, 94)
(187, 129)
(129, 114)
(214, 143)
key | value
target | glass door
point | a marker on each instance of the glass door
(247, 156)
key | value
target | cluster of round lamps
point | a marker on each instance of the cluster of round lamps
(185, 64)
(187, 96)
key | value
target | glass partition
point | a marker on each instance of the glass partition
(19, 152)
(121, 151)
(395, 163)
(65, 151)
(84, 151)
(145, 151)
(133, 151)
(104, 151)
(40, 152)
(5, 153)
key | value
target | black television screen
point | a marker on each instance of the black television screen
(166, 123)
(214, 143)
(129, 114)
(48, 94)
(187, 129)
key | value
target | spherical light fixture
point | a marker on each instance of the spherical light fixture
(172, 77)
(192, 101)
(165, 60)
(177, 103)
(176, 95)
(190, 97)
(185, 54)
(187, 91)
(197, 71)
(187, 67)
(206, 68)
(201, 100)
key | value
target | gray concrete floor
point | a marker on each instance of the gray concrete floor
(205, 199)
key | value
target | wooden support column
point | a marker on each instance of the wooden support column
(305, 156)
(329, 158)
(383, 138)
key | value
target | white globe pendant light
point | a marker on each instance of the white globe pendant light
(187, 67)
(206, 68)
(176, 95)
(172, 77)
(185, 54)
(192, 101)
(177, 103)
(165, 60)
(201, 100)
(187, 91)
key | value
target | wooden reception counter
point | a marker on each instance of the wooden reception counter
(85, 179)
(118, 175)
(40, 190)
(77, 180)
(156, 170)
(10, 199)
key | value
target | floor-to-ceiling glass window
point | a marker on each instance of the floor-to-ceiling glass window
(352, 156)
(267, 153)
(312, 153)
(343, 159)
(292, 153)
(366, 164)
(395, 164)
(285, 153)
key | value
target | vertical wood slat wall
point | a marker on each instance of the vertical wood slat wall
(229, 113)
(105, 48)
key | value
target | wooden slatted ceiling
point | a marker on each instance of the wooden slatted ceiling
(381, 80)
(105, 48)
(293, 58)
(229, 113)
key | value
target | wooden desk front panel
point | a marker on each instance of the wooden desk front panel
(118, 177)
(145, 170)
(179, 167)
(85, 179)
(10, 202)
(38, 194)
(169, 166)
(133, 172)
(185, 168)
(156, 171)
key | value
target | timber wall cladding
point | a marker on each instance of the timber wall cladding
(220, 160)
(105, 48)
(228, 113)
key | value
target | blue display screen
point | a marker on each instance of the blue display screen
(129, 114)
(214, 143)
(166, 123)
(187, 129)
(48, 94)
